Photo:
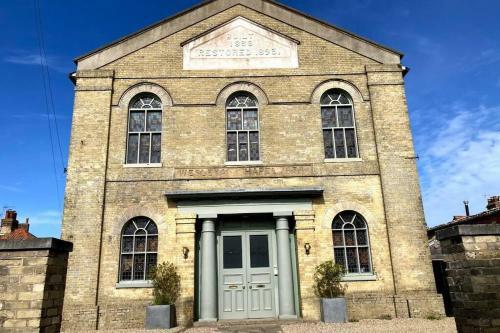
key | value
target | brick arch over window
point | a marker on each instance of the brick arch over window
(235, 87)
(138, 249)
(145, 87)
(349, 87)
(351, 242)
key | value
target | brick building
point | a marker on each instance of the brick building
(245, 142)
(11, 229)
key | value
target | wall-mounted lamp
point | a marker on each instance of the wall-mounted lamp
(307, 247)
(185, 252)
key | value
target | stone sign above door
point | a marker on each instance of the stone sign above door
(240, 44)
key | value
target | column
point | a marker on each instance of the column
(208, 271)
(285, 277)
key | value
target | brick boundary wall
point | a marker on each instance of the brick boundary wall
(32, 283)
(472, 253)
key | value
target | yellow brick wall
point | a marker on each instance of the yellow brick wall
(102, 194)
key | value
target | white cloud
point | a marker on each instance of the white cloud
(23, 58)
(10, 188)
(460, 160)
(46, 218)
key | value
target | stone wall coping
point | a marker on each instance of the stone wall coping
(468, 230)
(50, 243)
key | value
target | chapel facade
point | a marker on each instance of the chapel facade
(245, 142)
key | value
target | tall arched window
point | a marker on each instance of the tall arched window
(242, 129)
(144, 130)
(351, 245)
(339, 125)
(139, 249)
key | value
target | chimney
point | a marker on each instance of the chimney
(467, 211)
(25, 225)
(493, 202)
(9, 222)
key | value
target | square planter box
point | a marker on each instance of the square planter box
(334, 310)
(160, 316)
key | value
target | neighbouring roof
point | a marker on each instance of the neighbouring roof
(135, 41)
(18, 234)
(466, 220)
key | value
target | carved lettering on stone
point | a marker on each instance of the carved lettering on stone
(240, 44)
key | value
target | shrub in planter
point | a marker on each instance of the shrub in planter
(166, 289)
(327, 283)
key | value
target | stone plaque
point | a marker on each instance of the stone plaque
(240, 44)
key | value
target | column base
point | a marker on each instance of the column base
(208, 320)
(287, 317)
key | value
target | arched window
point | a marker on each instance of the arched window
(139, 249)
(351, 245)
(339, 125)
(242, 129)
(144, 130)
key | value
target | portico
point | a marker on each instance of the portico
(246, 259)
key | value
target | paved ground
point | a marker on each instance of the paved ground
(446, 325)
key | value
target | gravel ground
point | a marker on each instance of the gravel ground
(446, 325)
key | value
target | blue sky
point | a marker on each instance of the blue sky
(453, 90)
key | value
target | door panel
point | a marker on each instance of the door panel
(233, 289)
(260, 275)
(246, 275)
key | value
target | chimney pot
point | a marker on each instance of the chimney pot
(467, 211)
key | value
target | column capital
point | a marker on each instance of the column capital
(282, 214)
(207, 216)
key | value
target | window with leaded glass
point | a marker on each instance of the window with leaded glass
(139, 249)
(351, 245)
(339, 126)
(242, 128)
(144, 130)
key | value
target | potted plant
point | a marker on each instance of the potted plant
(327, 278)
(166, 283)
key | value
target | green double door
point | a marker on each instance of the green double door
(246, 275)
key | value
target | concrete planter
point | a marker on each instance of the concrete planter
(334, 310)
(160, 316)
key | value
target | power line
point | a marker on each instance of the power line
(49, 100)
(49, 80)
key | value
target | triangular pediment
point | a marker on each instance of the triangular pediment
(209, 8)
(240, 44)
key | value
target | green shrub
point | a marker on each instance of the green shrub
(166, 284)
(327, 278)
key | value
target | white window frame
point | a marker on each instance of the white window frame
(332, 129)
(242, 109)
(145, 132)
(353, 276)
(144, 282)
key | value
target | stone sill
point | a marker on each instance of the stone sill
(359, 277)
(143, 165)
(342, 160)
(134, 284)
(243, 163)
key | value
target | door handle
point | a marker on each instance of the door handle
(260, 286)
(250, 287)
